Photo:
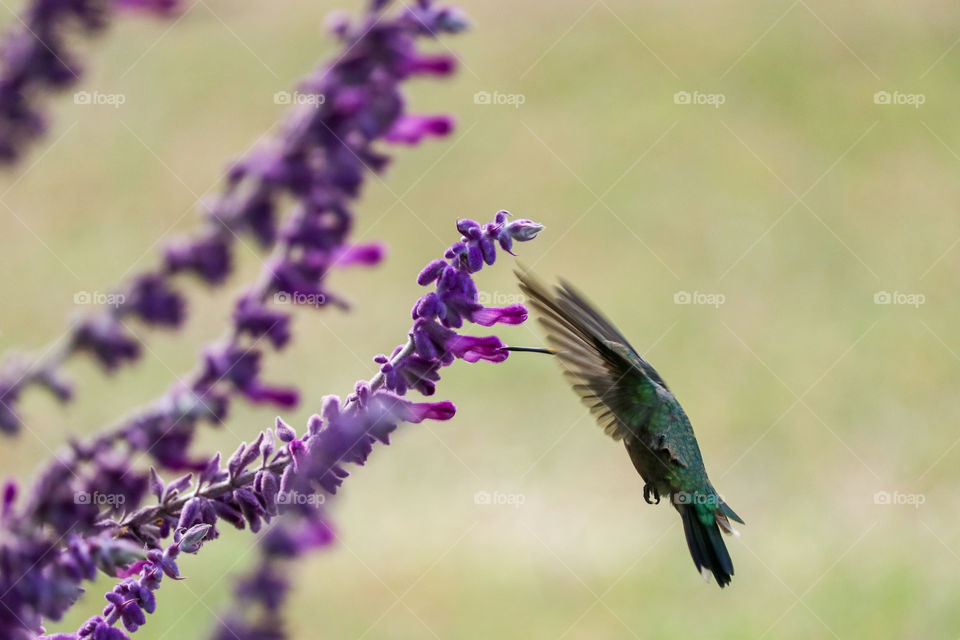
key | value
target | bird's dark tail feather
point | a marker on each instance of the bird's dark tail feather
(706, 545)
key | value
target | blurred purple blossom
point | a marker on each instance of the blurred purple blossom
(85, 512)
(319, 160)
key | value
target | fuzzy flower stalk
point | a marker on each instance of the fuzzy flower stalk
(319, 162)
(259, 596)
(313, 240)
(262, 479)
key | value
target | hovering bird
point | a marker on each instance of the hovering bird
(632, 403)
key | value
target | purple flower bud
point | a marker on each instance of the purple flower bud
(156, 484)
(297, 452)
(431, 272)
(474, 349)
(192, 540)
(208, 257)
(469, 228)
(169, 565)
(523, 230)
(424, 344)
(210, 471)
(269, 488)
(474, 257)
(285, 432)
(489, 316)
(105, 337)
(417, 412)
(154, 302)
(132, 617)
(190, 513)
(364, 254)
(314, 425)
(147, 600)
(178, 485)
(233, 463)
(257, 321)
(428, 306)
(488, 250)
(229, 512)
(455, 250)
(411, 129)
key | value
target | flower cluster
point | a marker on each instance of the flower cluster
(434, 343)
(234, 493)
(93, 509)
(319, 161)
(255, 612)
(280, 472)
(37, 58)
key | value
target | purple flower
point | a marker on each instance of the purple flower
(107, 340)
(207, 256)
(152, 299)
(367, 255)
(413, 129)
(319, 161)
(434, 343)
(241, 367)
(253, 319)
(489, 316)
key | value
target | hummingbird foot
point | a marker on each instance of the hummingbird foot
(647, 490)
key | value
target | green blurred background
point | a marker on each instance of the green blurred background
(798, 199)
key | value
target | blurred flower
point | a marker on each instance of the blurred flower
(37, 56)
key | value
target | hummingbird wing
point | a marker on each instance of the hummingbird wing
(612, 379)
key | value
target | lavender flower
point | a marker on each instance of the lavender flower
(320, 160)
(434, 343)
(61, 534)
(255, 611)
(230, 492)
(253, 486)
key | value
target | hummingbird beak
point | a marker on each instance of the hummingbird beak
(551, 352)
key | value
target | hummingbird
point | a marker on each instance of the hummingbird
(631, 403)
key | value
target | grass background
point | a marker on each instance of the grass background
(798, 199)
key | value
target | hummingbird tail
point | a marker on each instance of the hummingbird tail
(706, 545)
